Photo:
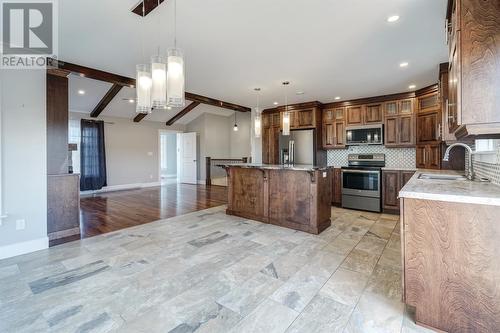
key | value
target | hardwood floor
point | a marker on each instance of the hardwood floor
(123, 209)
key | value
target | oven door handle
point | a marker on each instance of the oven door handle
(361, 171)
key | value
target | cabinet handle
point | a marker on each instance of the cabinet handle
(425, 157)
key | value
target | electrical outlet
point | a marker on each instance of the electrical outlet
(150, 176)
(150, 153)
(20, 224)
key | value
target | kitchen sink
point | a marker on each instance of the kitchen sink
(440, 176)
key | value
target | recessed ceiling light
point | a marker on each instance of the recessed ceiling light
(299, 93)
(412, 86)
(169, 108)
(393, 18)
(337, 98)
(81, 92)
(276, 103)
(403, 64)
(131, 100)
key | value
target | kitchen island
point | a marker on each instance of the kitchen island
(297, 197)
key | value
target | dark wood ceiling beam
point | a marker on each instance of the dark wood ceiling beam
(216, 102)
(149, 6)
(92, 73)
(124, 81)
(182, 113)
(112, 92)
(139, 117)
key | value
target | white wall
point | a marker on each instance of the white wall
(132, 149)
(24, 161)
(240, 141)
(217, 139)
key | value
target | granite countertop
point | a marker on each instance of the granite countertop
(295, 167)
(464, 191)
(399, 168)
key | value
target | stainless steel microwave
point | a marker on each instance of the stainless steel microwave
(365, 135)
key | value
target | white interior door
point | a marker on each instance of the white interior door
(189, 158)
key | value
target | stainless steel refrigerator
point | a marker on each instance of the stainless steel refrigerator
(299, 147)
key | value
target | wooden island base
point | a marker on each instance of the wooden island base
(292, 197)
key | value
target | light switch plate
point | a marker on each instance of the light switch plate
(20, 224)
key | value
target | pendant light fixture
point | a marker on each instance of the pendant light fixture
(235, 128)
(286, 114)
(258, 116)
(175, 71)
(159, 77)
(143, 82)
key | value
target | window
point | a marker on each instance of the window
(487, 145)
(74, 134)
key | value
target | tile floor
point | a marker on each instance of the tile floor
(209, 272)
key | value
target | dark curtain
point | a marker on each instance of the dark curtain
(92, 155)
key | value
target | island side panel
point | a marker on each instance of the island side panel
(452, 264)
(289, 199)
(323, 191)
(247, 193)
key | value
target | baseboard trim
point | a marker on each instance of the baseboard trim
(123, 187)
(18, 249)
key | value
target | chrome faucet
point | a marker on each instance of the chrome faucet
(446, 158)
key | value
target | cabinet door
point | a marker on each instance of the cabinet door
(328, 135)
(428, 103)
(305, 118)
(391, 108)
(328, 115)
(354, 115)
(373, 114)
(390, 185)
(339, 113)
(266, 120)
(406, 106)
(339, 134)
(421, 156)
(276, 119)
(405, 177)
(275, 146)
(454, 88)
(391, 131)
(337, 186)
(428, 127)
(434, 157)
(406, 133)
(266, 141)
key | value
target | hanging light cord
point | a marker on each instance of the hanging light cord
(175, 23)
(142, 30)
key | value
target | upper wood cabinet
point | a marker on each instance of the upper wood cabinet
(305, 118)
(399, 122)
(428, 103)
(354, 115)
(474, 50)
(373, 113)
(333, 128)
(429, 127)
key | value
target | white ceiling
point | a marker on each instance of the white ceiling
(326, 48)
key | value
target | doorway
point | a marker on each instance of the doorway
(168, 157)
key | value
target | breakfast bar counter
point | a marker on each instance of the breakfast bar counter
(296, 197)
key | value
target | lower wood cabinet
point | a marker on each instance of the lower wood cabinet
(429, 156)
(337, 187)
(392, 182)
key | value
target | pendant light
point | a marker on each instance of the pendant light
(159, 77)
(286, 114)
(235, 128)
(258, 116)
(143, 82)
(175, 71)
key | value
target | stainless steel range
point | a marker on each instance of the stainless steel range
(361, 182)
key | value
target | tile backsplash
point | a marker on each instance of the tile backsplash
(489, 169)
(394, 157)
